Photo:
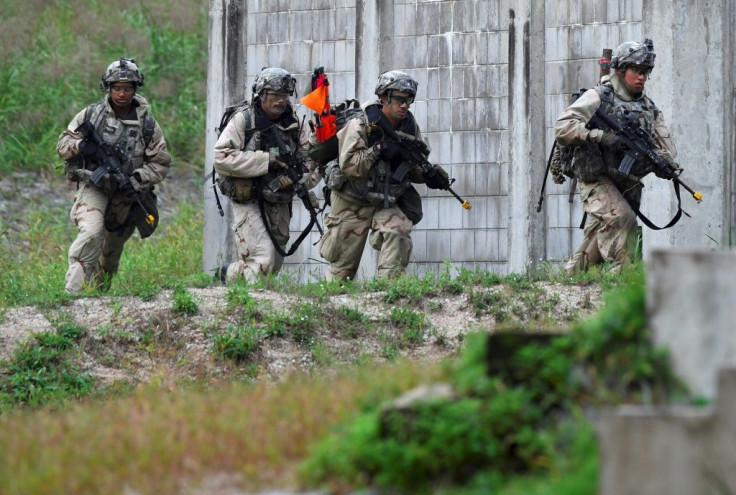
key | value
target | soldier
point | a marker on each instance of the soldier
(366, 196)
(247, 161)
(103, 212)
(607, 194)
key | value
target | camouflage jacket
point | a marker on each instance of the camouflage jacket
(363, 170)
(571, 130)
(242, 151)
(150, 160)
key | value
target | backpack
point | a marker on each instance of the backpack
(561, 157)
(234, 188)
(227, 116)
(327, 151)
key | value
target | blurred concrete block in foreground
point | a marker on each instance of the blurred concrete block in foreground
(691, 308)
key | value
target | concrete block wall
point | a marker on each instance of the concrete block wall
(675, 450)
(493, 76)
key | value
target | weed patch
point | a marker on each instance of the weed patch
(43, 371)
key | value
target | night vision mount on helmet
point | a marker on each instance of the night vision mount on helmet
(396, 80)
(634, 53)
(123, 70)
(274, 79)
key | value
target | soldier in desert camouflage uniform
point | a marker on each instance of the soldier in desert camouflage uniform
(607, 194)
(246, 160)
(366, 198)
(101, 211)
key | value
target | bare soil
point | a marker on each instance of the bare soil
(132, 340)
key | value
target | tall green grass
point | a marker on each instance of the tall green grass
(33, 265)
(56, 52)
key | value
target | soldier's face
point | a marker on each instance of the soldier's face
(635, 77)
(274, 103)
(397, 106)
(122, 93)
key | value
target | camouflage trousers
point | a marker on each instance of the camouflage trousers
(257, 255)
(348, 227)
(610, 231)
(94, 256)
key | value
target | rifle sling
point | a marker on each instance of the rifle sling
(674, 219)
(262, 208)
(643, 217)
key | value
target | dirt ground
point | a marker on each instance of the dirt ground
(131, 340)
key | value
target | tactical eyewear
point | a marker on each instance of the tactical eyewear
(400, 100)
(641, 70)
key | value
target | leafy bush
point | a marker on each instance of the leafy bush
(508, 416)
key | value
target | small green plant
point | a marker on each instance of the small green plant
(352, 321)
(237, 343)
(184, 302)
(43, 370)
(299, 322)
(412, 324)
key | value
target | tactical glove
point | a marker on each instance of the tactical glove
(88, 149)
(610, 141)
(135, 183)
(275, 165)
(81, 175)
(285, 182)
(313, 199)
(438, 178)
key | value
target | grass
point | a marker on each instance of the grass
(257, 432)
(165, 436)
(46, 78)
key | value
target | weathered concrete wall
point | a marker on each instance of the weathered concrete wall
(493, 76)
(672, 450)
(691, 307)
(694, 87)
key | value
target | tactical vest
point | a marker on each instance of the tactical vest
(379, 187)
(133, 137)
(241, 189)
(589, 164)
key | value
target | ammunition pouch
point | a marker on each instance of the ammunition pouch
(237, 189)
(588, 164)
(410, 203)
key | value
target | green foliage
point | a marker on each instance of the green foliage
(412, 323)
(45, 79)
(508, 414)
(184, 302)
(616, 350)
(300, 322)
(172, 255)
(43, 371)
(237, 342)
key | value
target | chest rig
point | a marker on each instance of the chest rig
(379, 187)
(131, 136)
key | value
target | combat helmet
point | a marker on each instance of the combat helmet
(396, 80)
(123, 70)
(275, 79)
(633, 53)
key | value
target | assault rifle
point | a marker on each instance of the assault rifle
(413, 152)
(108, 159)
(295, 170)
(640, 145)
